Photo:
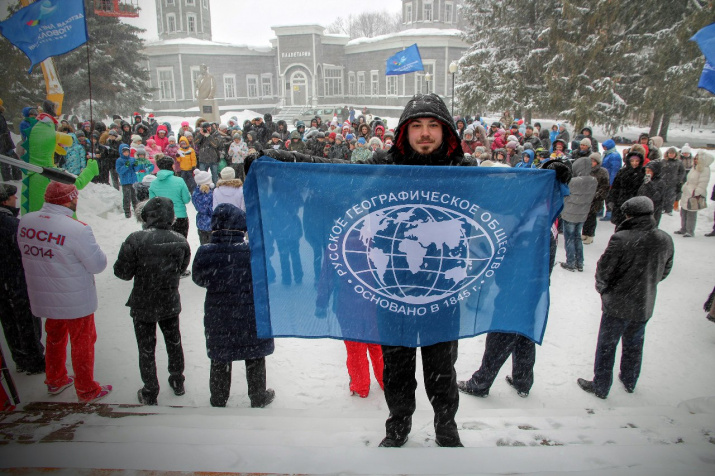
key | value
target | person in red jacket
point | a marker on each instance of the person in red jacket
(161, 137)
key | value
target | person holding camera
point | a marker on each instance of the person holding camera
(207, 148)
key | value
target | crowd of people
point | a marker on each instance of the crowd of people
(160, 171)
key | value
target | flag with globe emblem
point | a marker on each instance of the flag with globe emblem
(399, 255)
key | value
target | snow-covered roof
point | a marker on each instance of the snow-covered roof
(416, 32)
(198, 42)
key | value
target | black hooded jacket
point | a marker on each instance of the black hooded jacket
(155, 259)
(625, 186)
(655, 189)
(637, 258)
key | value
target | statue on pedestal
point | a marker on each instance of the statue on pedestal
(205, 84)
(204, 90)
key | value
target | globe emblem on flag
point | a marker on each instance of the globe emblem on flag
(416, 253)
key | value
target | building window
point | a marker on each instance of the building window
(408, 13)
(374, 83)
(391, 85)
(252, 85)
(351, 84)
(170, 2)
(191, 2)
(333, 80)
(205, 4)
(361, 83)
(166, 83)
(267, 85)
(171, 23)
(421, 84)
(229, 86)
(191, 23)
(427, 9)
(448, 8)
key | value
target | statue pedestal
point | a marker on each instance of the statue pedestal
(208, 109)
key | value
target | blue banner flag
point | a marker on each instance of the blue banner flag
(705, 38)
(399, 255)
(707, 78)
(406, 61)
(47, 28)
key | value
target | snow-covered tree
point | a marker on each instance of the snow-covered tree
(367, 24)
(504, 67)
(120, 81)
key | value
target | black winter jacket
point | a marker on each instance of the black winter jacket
(155, 259)
(223, 267)
(637, 258)
(12, 274)
(625, 186)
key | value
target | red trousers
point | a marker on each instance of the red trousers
(359, 367)
(82, 336)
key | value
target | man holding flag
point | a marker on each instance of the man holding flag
(419, 250)
(425, 135)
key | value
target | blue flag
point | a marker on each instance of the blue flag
(405, 61)
(47, 28)
(399, 255)
(707, 78)
(705, 38)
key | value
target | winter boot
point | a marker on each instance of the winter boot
(265, 400)
(587, 386)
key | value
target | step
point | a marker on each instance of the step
(651, 440)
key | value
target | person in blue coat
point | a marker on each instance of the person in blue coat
(612, 162)
(126, 169)
(223, 267)
(527, 161)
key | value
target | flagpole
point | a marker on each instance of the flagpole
(91, 116)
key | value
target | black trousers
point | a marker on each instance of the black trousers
(204, 236)
(146, 341)
(129, 199)
(23, 332)
(499, 346)
(440, 383)
(181, 226)
(220, 381)
(589, 226)
(631, 334)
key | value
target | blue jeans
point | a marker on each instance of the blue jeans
(573, 244)
(631, 334)
(203, 166)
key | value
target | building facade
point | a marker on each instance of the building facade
(304, 66)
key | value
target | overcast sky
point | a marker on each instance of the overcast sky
(250, 22)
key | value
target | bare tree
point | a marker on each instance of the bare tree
(367, 24)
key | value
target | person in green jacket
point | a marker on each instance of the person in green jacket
(170, 186)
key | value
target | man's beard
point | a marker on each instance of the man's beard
(436, 157)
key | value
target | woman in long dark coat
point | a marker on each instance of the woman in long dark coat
(223, 267)
(625, 186)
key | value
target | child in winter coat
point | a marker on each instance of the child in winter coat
(237, 152)
(126, 169)
(186, 157)
(152, 149)
(76, 159)
(229, 189)
(155, 258)
(361, 152)
(170, 186)
(172, 150)
(160, 138)
(142, 165)
(223, 267)
(202, 198)
(136, 142)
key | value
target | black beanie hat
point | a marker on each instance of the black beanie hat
(638, 206)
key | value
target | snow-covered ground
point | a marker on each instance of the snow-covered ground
(314, 426)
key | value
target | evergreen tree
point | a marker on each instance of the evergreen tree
(503, 69)
(19, 89)
(119, 78)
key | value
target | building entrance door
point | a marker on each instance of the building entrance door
(298, 89)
